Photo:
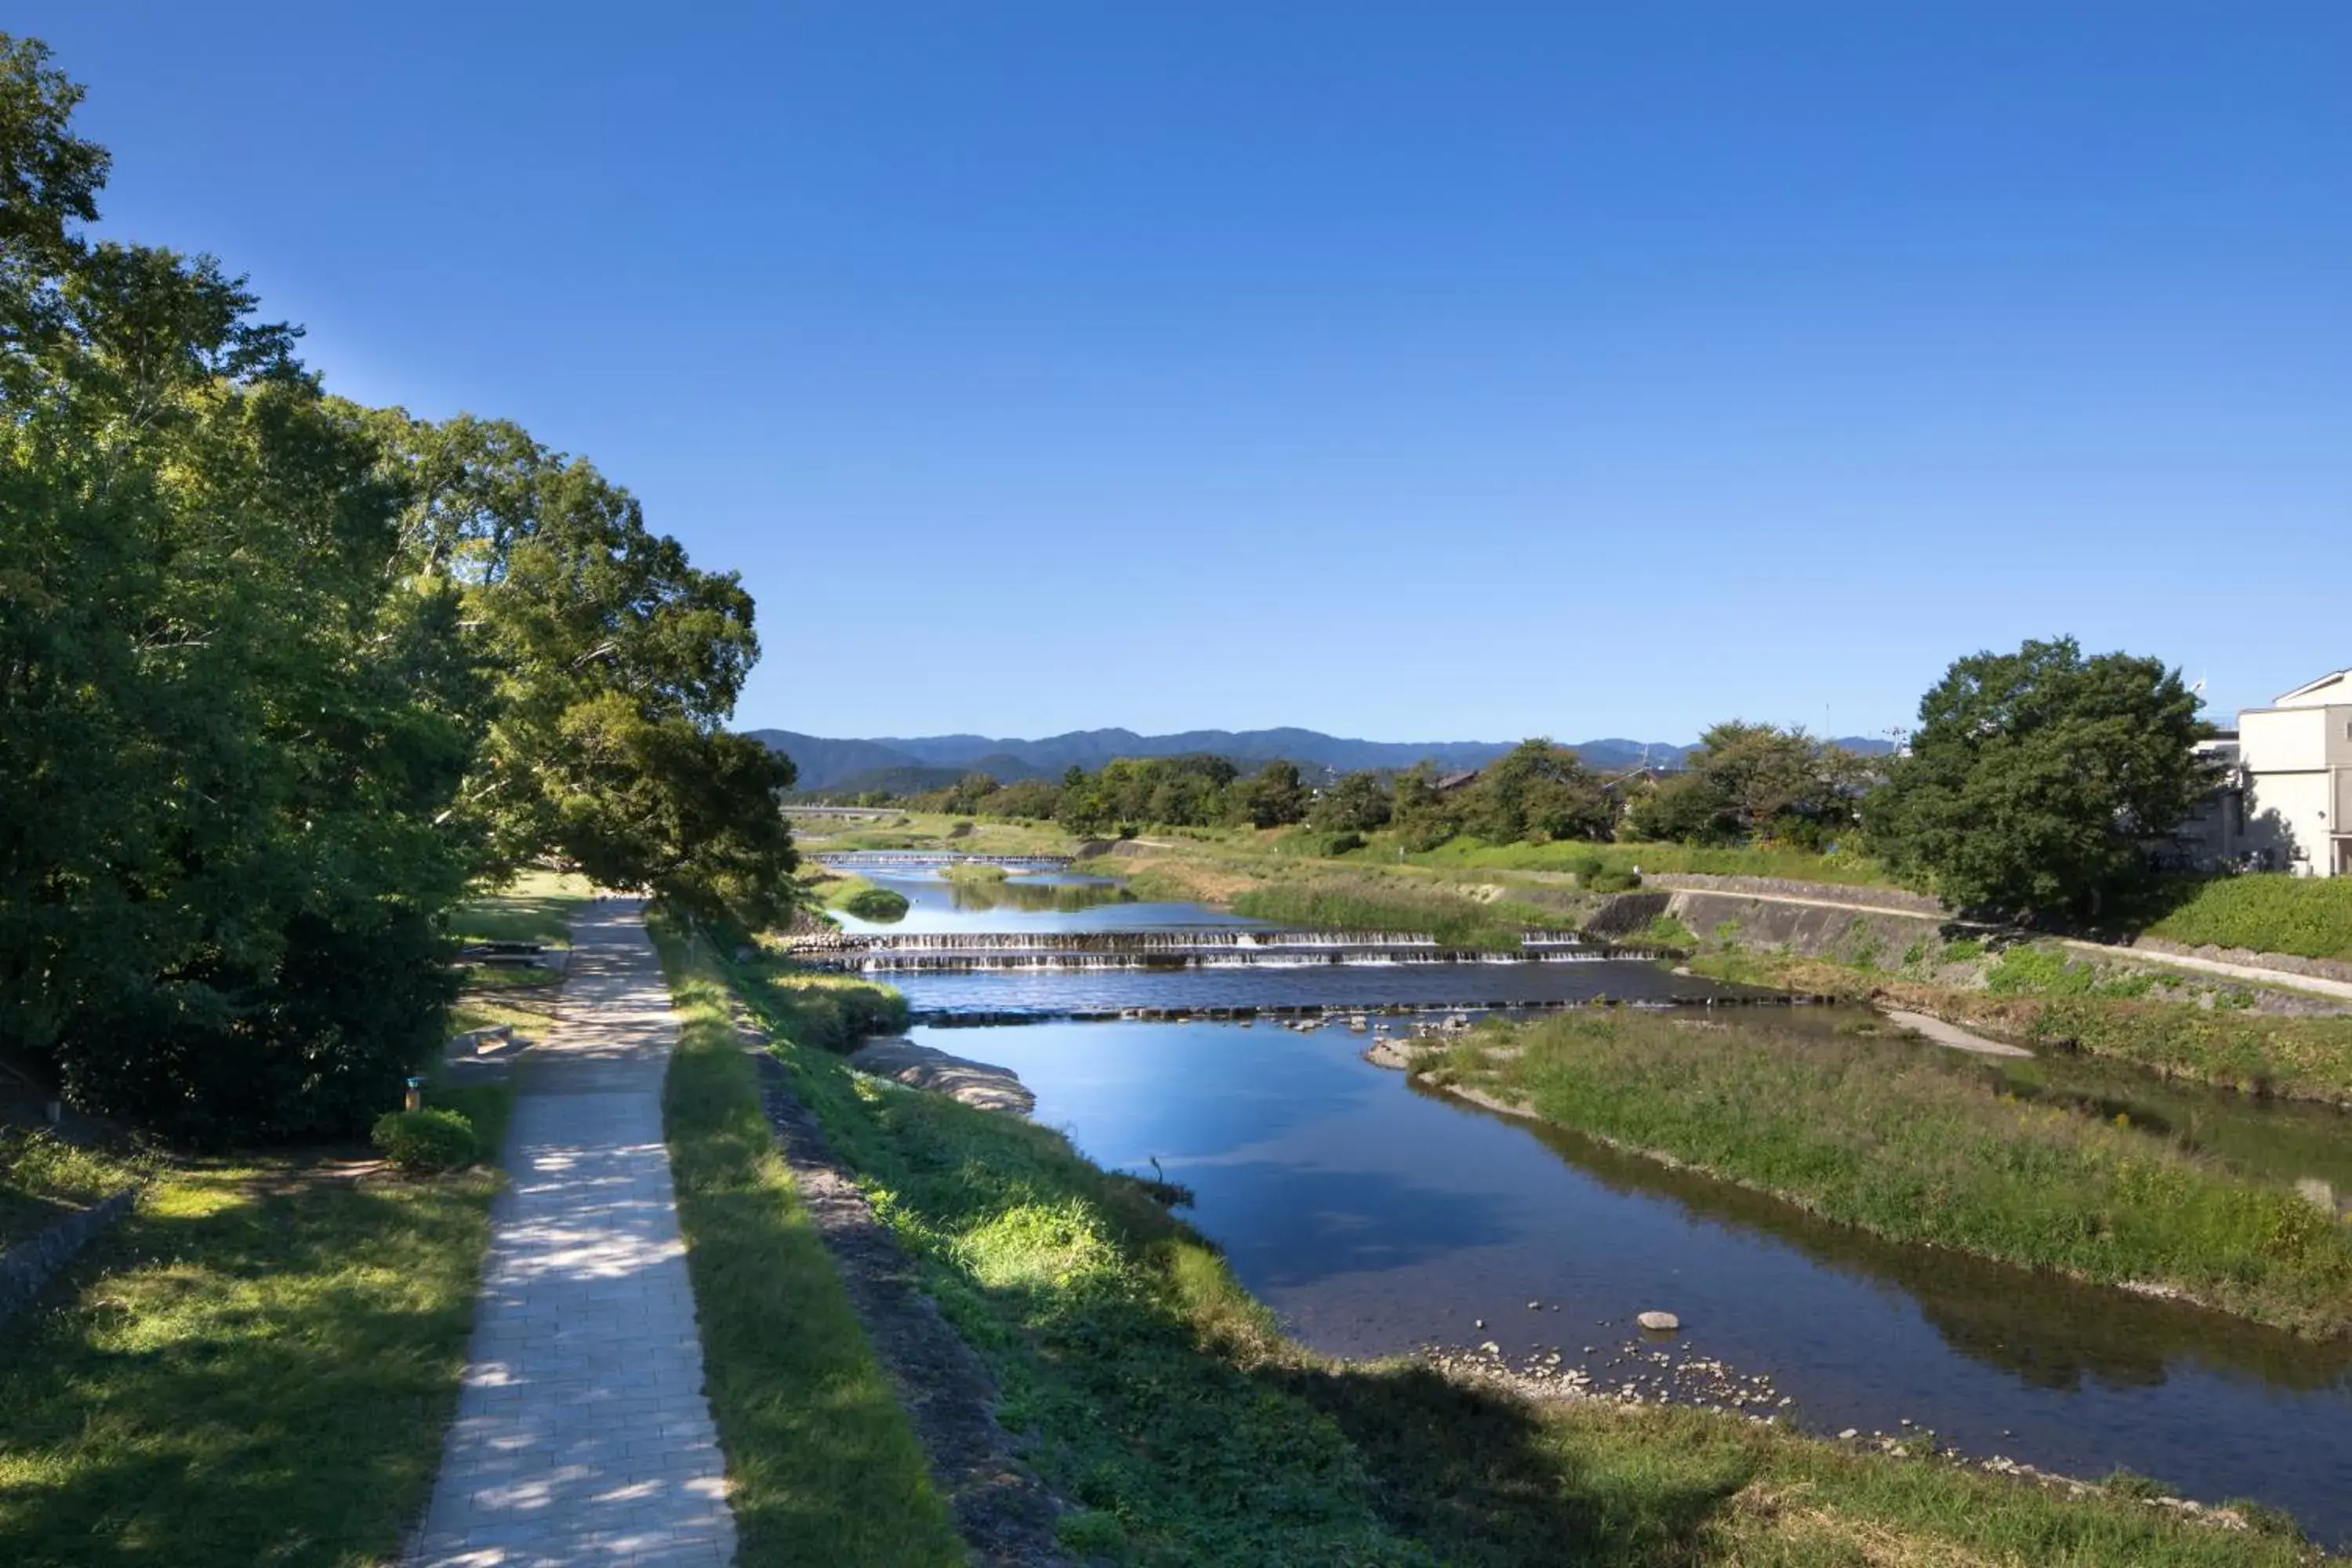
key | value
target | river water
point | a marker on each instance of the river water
(1377, 1217)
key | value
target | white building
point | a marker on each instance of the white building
(2288, 801)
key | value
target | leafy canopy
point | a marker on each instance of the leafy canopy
(2040, 781)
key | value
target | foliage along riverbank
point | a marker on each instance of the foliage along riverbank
(1160, 1399)
(2039, 997)
(1895, 1139)
(822, 1465)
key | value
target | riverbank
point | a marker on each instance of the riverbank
(2038, 994)
(1163, 1401)
(1874, 1133)
(2037, 997)
(822, 1464)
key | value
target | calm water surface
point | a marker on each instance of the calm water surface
(1375, 1218)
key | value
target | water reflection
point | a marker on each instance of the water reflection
(1048, 894)
(2048, 1330)
(1373, 1218)
(2280, 1141)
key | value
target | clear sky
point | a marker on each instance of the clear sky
(1412, 372)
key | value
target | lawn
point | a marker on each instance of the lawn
(2046, 1001)
(255, 1366)
(1761, 860)
(537, 905)
(44, 1178)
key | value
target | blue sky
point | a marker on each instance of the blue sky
(1412, 372)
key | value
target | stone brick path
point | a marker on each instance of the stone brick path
(581, 1434)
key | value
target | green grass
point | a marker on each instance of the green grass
(972, 871)
(855, 895)
(1566, 854)
(826, 1008)
(44, 1178)
(254, 1367)
(2309, 917)
(824, 1465)
(1911, 1146)
(2224, 1045)
(1157, 1396)
(936, 830)
(1366, 902)
(537, 905)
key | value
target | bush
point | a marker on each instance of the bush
(307, 1049)
(424, 1142)
(1346, 843)
(1608, 880)
(876, 904)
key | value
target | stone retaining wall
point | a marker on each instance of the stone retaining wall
(1899, 899)
(27, 1267)
(1813, 930)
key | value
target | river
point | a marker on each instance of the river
(1377, 1217)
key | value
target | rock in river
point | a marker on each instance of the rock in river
(1659, 1321)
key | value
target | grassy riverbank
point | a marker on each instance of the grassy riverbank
(1569, 855)
(1158, 1396)
(2308, 917)
(1899, 1142)
(1263, 883)
(2040, 998)
(822, 1465)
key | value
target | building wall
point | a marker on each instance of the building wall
(2283, 739)
(2339, 737)
(2287, 814)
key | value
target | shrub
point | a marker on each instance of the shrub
(1609, 880)
(1345, 843)
(423, 1143)
(876, 904)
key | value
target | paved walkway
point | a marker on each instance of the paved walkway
(581, 1434)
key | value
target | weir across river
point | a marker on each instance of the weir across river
(1177, 949)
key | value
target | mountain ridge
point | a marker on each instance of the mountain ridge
(825, 762)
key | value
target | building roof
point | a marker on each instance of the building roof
(2327, 690)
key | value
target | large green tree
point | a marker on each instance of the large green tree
(280, 676)
(614, 664)
(1745, 780)
(2038, 781)
(1536, 791)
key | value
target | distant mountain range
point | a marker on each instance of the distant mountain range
(930, 761)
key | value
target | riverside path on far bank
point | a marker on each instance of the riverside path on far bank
(582, 1434)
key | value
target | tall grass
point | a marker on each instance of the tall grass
(2293, 1057)
(1566, 854)
(1372, 903)
(1881, 1135)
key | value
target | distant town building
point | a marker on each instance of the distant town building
(2286, 799)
